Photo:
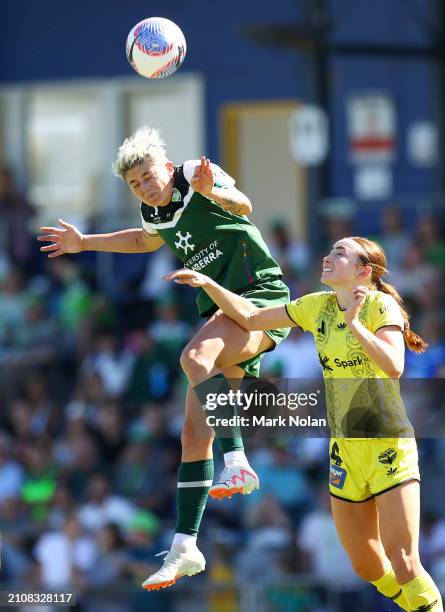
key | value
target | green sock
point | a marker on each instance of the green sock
(422, 594)
(194, 481)
(229, 437)
(388, 586)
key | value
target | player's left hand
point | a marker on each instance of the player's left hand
(188, 277)
(357, 299)
(203, 179)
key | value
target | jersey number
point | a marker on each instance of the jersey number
(335, 456)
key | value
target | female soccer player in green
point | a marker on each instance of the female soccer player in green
(197, 211)
(360, 329)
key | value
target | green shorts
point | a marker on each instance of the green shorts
(269, 292)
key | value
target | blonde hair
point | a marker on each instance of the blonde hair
(372, 254)
(145, 144)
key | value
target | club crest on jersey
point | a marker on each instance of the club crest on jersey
(176, 195)
(183, 242)
(337, 476)
(388, 456)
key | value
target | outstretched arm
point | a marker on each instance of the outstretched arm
(68, 239)
(229, 198)
(241, 310)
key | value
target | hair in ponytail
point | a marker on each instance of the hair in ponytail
(372, 254)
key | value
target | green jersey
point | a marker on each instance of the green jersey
(226, 247)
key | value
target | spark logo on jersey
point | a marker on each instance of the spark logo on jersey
(337, 476)
(350, 363)
(183, 242)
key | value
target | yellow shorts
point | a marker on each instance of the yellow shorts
(362, 468)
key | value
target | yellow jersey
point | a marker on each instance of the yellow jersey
(361, 400)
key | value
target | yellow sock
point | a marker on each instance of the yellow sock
(388, 586)
(422, 594)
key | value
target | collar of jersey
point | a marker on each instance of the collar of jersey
(338, 305)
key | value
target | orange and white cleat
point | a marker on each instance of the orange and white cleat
(177, 564)
(235, 479)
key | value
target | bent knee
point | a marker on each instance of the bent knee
(366, 570)
(405, 564)
(193, 436)
(195, 364)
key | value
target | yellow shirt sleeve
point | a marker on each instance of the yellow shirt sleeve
(303, 310)
(385, 311)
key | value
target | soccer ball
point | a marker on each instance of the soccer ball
(156, 47)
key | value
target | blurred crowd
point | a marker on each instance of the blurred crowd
(92, 407)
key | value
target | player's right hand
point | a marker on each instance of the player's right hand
(64, 239)
(356, 300)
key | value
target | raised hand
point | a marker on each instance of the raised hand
(64, 239)
(358, 296)
(203, 179)
(188, 277)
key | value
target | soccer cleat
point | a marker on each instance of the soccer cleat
(235, 479)
(176, 565)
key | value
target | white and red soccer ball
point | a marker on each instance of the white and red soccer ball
(156, 47)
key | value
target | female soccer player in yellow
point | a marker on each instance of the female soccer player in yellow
(360, 329)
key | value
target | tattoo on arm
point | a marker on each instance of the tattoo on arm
(138, 242)
(232, 200)
(140, 238)
(231, 205)
(146, 242)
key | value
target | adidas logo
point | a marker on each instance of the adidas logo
(341, 326)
